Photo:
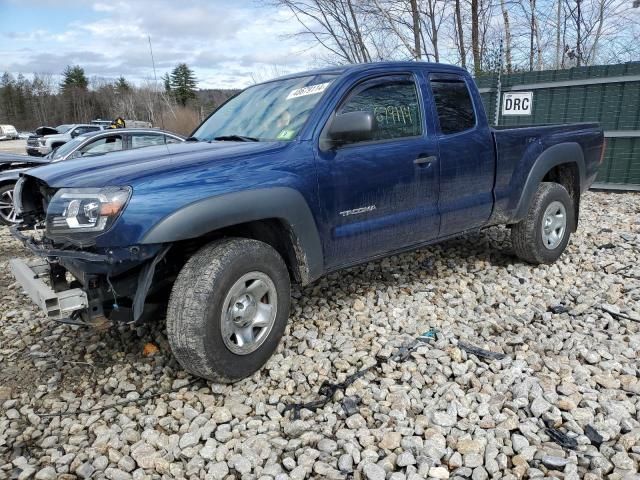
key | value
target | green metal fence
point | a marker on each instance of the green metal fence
(608, 94)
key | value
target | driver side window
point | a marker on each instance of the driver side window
(103, 145)
(394, 104)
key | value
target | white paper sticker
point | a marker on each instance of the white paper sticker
(517, 103)
(311, 90)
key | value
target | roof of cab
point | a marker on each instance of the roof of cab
(372, 66)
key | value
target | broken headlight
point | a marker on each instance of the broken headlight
(81, 214)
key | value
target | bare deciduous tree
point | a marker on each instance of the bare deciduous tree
(507, 36)
(337, 25)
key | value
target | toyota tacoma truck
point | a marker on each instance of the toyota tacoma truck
(287, 181)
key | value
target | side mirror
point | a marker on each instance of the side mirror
(74, 134)
(351, 127)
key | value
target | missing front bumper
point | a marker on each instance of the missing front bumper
(57, 305)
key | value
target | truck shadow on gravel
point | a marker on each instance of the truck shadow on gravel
(492, 247)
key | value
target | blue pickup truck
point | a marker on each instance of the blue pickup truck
(287, 181)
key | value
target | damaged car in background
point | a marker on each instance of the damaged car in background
(290, 180)
(46, 139)
(82, 146)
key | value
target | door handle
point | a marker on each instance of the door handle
(425, 160)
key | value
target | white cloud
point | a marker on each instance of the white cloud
(223, 41)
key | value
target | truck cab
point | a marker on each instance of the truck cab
(426, 172)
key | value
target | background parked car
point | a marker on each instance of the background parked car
(46, 139)
(8, 132)
(85, 145)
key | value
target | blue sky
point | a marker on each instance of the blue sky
(228, 43)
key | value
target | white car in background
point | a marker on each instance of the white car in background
(8, 132)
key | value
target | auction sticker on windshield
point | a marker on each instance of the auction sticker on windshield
(311, 90)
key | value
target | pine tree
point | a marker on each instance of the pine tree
(166, 80)
(75, 94)
(183, 84)
(74, 79)
(122, 86)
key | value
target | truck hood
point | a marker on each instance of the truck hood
(10, 161)
(136, 166)
(42, 131)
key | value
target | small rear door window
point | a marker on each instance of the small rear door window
(454, 105)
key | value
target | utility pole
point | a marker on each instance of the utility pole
(498, 88)
(579, 40)
(532, 3)
(155, 80)
(558, 46)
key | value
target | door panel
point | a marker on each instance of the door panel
(381, 195)
(466, 156)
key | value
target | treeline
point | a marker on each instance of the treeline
(177, 105)
(535, 34)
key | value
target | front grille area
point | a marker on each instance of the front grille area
(32, 141)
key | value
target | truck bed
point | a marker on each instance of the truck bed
(517, 149)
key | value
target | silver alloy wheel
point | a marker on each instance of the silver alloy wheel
(249, 312)
(7, 209)
(554, 225)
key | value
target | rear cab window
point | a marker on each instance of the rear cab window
(454, 104)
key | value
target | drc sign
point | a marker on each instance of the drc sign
(517, 103)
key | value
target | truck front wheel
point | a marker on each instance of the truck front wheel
(228, 309)
(544, 233)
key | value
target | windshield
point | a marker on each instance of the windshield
(270, 111)
(66, 148)
(63, 128)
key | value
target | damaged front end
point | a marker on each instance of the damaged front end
(86, 283)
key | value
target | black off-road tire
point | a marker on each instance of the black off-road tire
(194, 315)
(527, 237)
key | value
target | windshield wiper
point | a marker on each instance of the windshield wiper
(236, 138)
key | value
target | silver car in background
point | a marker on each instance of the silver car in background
(83, 146)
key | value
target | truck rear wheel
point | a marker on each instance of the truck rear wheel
(544, 233)
(228, 309)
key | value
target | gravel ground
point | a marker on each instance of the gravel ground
(441, 413)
